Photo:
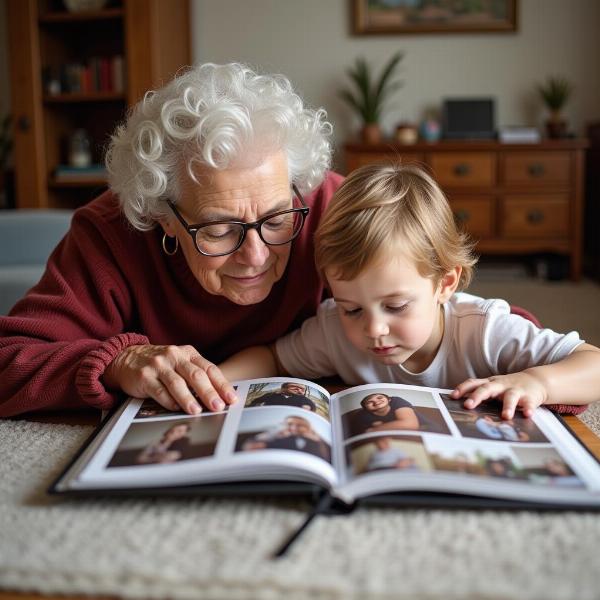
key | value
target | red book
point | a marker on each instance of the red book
(105, 79)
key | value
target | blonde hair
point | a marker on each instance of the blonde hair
(379, 207)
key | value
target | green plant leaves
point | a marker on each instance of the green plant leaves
(555, 92)
(368, 97)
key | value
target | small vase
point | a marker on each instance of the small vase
(407, 133)
(556, 126)
(371, 133)
(431, 130)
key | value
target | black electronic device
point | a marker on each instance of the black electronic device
(469, 118)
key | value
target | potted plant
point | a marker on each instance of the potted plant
(555, 93)
(369, 96)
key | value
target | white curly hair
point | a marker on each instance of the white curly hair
(211, 115)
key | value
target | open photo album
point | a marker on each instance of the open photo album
(376, 440)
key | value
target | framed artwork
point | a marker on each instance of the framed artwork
(371, 17)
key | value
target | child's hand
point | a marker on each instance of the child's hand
(521, 390)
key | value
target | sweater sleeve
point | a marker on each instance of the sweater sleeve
(56, 342)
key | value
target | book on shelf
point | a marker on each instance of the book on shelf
(66, 173)
(103, 74)
(379, 442)
(519, 134)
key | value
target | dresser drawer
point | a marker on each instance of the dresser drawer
(474, 215)
(359, 159)
(534, 168)
(535, 216)
(464, 169)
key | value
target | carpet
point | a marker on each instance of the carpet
(220, 549)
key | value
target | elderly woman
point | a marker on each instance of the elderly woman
(202, 246)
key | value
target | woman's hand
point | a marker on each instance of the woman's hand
(171, 375)
(522, 390)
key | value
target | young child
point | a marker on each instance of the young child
(394, 260)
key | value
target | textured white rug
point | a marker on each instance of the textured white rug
(219, 549)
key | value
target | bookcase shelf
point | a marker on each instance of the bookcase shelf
(83, 70)
(85, 183)
(87, 97)
(62, 16)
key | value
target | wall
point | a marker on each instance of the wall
(309, 41)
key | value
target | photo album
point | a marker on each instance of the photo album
(369, 441)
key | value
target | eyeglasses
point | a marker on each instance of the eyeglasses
(219, 238)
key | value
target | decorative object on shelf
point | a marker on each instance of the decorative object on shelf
(406, 133)
(442, 16)
(80, 153)
(555, 93)
(76, 6)
(430, 130)
(519, 134)
(370, 95)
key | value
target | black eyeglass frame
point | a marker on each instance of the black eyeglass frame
(193, 229)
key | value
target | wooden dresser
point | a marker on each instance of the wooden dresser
(512, 198)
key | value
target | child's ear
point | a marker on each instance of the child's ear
(448, 284)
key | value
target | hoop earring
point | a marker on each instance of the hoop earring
(164, 245)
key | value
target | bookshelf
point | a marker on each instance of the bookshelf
(83, 70)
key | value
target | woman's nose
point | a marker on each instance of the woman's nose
(253, 251)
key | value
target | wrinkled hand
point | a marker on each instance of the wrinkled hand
(521, 390)
(171, 375)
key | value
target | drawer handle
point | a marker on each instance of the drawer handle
(536, 170)
(462, 216)
(535, 217)
(462, 169)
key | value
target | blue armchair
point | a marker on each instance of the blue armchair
(27, 237)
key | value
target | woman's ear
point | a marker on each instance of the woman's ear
(167, 226)
(448, 284)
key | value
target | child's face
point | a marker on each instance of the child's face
(392, 313)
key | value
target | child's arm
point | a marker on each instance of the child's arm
(257, 361)
(573, 380)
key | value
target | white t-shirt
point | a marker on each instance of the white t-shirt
(481, 338)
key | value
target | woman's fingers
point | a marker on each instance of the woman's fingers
(179, 391)
(159, 392)
(198, 380)
(219, 382)
(177, 377)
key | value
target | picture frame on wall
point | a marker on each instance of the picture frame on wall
(372, 17)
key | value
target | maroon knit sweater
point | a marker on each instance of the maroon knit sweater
(108, 286)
